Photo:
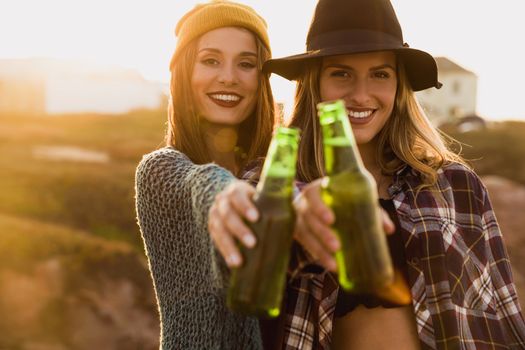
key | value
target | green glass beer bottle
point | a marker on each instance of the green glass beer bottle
(364, 263)
(256, 287)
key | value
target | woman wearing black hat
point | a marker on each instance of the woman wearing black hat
(446, 241)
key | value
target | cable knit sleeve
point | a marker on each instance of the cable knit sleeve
(173, 197)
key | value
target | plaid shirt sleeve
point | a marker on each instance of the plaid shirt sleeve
(506, 299)
(463, 291)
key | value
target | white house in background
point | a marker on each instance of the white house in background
(456, 98)
(54, 87)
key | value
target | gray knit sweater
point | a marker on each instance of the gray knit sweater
(173, 197)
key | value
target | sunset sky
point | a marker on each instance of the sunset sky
(482, 36)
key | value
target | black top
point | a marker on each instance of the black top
(347, 302)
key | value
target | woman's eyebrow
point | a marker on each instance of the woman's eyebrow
(209, 49)
(248, 53)
(214, 50)
(382, 66)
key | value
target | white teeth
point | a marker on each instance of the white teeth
(226, 98)
(354, 114)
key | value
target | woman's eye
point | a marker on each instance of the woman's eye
(247, 65)
(210, 61)
(381, 75)
(339, 74)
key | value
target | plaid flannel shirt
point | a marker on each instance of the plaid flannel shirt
(459, 272)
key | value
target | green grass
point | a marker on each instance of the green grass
(97, 198)
(24, 242)
(497, 150)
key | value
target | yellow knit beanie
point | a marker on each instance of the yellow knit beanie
(216, 14)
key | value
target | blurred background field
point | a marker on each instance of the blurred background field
(72, 268)
(73, 274)
(77, 112)
(76, 170)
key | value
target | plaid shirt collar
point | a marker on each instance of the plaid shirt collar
(463, 295)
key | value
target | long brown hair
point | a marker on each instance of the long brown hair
(408, 137)
(185, 132)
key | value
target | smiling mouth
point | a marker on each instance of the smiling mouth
(228, 100)
(362, 116)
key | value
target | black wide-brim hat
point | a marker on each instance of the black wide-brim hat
(342, 27)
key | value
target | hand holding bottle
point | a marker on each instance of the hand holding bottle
(313, 225)
(230, 211)
(257, 286)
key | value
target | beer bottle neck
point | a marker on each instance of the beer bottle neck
(343, 158)
(279, 167)
(275, 186)
(340, 149)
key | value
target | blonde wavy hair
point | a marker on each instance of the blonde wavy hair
(408, 137)
(185, 126)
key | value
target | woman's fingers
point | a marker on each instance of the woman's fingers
(322, 232)
(226, 220)
(242, 200)
(315, 247)
(313, 225)
(233, 222)
(223, 240)
(311, 196)
(388, 225)
(316, 216)
(236, 205)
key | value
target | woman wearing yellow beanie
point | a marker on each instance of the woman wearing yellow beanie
(220, 118)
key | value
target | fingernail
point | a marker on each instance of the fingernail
(334, 244)
(332, 265)
(252, 214)
(234, 260)
(248, 240)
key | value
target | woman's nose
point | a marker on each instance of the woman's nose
(227, 75)
(359, 93)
